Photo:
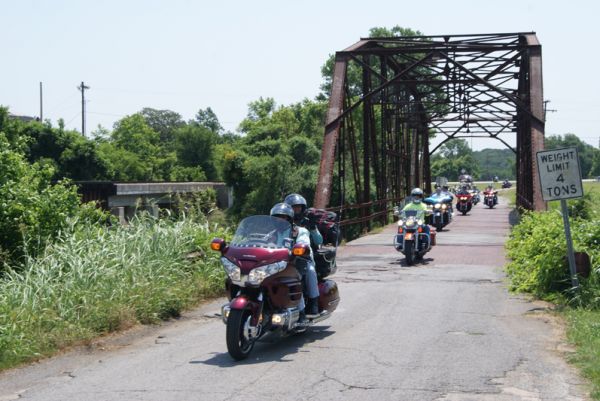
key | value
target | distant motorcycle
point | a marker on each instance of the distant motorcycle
(490, 198)
(264, 285)
(411, 239)
(464, 202)
(441, 211)
(506, 184)
(476, 197)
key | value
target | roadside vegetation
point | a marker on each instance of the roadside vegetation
(94, 279)
(537, 249)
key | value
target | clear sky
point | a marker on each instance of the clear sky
(185, 55)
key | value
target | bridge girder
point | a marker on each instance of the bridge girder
(406, 88)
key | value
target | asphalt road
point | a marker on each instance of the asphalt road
(444, 329)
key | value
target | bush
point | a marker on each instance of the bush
(537, 249)
(32, 209)
(95, 279)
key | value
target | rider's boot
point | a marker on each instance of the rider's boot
(312, 307)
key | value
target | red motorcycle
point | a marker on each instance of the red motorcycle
(464, 202)
(264, 286)
(490, 198)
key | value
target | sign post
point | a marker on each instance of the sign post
(560, 179)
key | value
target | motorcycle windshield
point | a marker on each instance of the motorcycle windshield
(263, 232)
(435, 198)
(417, 214)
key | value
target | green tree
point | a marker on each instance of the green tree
(595, 168)
(138, 144)
(586, 152)
(164, 122)
(451, 158)
(33, 210)
(194, 145)
(208, 119)
(496, 162)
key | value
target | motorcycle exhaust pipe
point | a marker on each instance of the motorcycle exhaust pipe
(322, 316)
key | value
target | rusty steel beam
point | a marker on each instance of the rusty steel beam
(458, 85)
(336, 101)
(537, 124)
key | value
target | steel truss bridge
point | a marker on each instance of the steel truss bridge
(390, 95)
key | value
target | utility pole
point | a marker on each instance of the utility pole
(82, 88)
(41, 105)
(546, 109)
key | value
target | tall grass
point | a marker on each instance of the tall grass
(97, 279)
(537, 249)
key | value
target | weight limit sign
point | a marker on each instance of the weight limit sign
(559, 172)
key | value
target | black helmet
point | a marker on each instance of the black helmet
(283, 210)
(417, 195)
(294, 200)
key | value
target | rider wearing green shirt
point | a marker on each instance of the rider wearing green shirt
(418, 205)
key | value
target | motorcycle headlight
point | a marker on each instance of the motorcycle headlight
(410, 223)
(400, 222)
(444, 206)
(420, 222)
(257, 275)
(233, 271)
(438, 205)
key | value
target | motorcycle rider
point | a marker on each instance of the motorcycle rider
(464, 190)
(490, 189)
(442, 192)
(417, 204)
(298, 203)
(300, 235)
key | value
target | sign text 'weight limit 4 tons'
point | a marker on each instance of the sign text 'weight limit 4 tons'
(560, 177)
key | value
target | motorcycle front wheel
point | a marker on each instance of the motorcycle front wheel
(238, 345)
(409, 252)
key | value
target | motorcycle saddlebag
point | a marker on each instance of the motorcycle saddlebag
(432, 235)
(325, 261)
(329, 295)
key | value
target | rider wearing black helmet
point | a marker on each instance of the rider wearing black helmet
(298, 203)
(300, 235)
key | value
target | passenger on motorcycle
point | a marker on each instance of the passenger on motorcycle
(298, 203)
(417, 204)
(300, 235)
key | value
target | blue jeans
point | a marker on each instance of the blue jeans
(309, 274)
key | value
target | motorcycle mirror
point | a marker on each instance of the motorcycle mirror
(218, 244)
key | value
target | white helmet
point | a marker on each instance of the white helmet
(417, 195)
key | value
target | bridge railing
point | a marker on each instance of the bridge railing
(388, 207)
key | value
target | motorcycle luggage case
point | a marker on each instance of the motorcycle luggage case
(325, 261)
(329, 295)
(432, 235)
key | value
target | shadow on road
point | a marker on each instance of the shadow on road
(271, 348)
(417, 263)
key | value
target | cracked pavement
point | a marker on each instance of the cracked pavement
(445, 329)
